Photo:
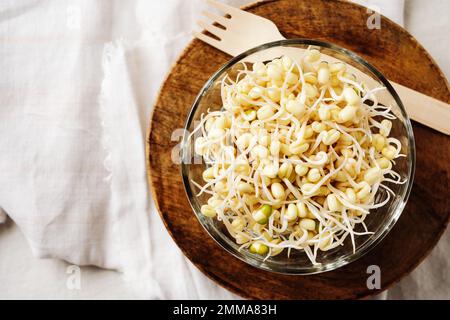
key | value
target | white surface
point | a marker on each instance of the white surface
(428, 21)
(150, 46)
(73, 145)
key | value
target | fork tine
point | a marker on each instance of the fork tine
(216, 18)
(218, 32)
(203, 37)
(218, 44)
(223, 7)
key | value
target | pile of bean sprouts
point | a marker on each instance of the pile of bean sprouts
(296, 156)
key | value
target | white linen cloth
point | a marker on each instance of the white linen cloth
(72, 142)
(78, 81)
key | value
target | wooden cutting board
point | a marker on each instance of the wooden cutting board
(396, 54)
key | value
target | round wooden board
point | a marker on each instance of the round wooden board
(395, 53)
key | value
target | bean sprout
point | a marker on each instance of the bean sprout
(296, 156)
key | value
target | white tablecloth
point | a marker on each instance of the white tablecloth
(134, 44)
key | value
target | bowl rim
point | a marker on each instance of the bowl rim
(368, 245)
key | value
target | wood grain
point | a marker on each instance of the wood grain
(395, 53)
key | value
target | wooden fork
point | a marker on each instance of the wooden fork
(243, 31)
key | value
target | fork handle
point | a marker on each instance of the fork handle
(424, 109)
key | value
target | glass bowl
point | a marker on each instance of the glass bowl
(380, 221)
